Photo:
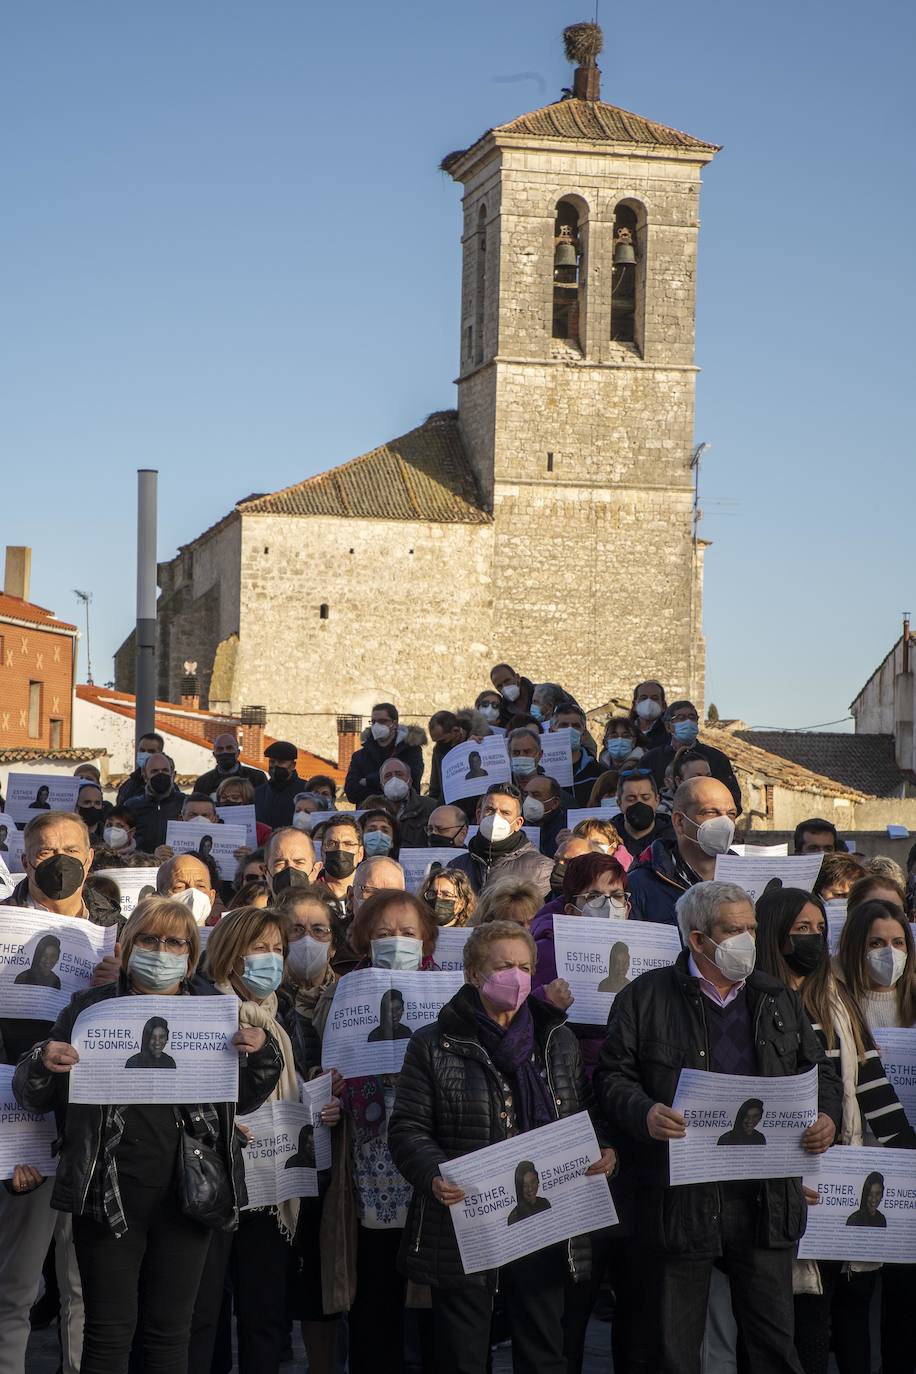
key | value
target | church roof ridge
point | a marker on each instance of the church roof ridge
(590, 121)
(424, 475)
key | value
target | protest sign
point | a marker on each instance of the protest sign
(528, 1192)
(897, 1048)
(753, 874)
(7, 885)
(7, 828)
(556, 756)
(375, 1012)
(28, 794)
(45, 959)
(470, 768)
(121, 1040)
(15, 844)
(599, 958)
(761, 851)
(241, 815)
(287, 1148)
(25, 1137)
(133, 884)
(836, 919)
(740, 1127)
(867, 1207)
(417, 863)
(450, 943)
(202, 838)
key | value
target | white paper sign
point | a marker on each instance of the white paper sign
(45, 959)
(25, 1138)
(7, 830)
(836, 919)
(450, 943)
(15, 845)
(156, 1049)
(753, 874)
(761, 851)
(202, 838)
(470, 768)
(134, 885)
(556, 756)
(417, 863)
(241, 815)
(375, 1012)
(740, 1127)
(288, 1147)
(28, 794)
(599, 958)
(867, 1208)
(528, 1192)
(897, 1047)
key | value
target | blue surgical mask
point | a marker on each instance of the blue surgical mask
(396, 952)
(686, 731)
(619, 747)
(263, 973)
(575, 739)
(156, 971)
(142, 756)
(376, 843)
(523, 767)
(535, 710)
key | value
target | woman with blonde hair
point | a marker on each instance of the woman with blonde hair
(507, 900)
(602, 833)
(120, 1167)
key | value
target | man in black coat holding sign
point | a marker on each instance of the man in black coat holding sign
(712, 1011)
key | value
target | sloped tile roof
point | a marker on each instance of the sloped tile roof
(61, 755)
(590, 121)
(748, 755)
(14, 608)
(863, 762)
(423, 475)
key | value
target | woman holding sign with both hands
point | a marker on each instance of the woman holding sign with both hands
(123, 1172)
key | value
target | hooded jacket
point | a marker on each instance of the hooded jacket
(451, 1100)
(654, 884)
(151, 816)
(363, 774)
(524, 864)
(657, 1027)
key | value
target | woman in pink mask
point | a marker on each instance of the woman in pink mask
(497, 1063)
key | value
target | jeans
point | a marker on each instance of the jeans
(533, 1291)
(162, 1256)
(28, 1223)
(761, 1291)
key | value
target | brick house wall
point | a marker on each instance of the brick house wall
(33, 654)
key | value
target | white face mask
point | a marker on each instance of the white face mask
(379, 731)
(598, 907)
(197, 902)
(395, 789)
(647, 709)
(396, 952)
(307, 958)
(490, 713)
(715, 835)
(533, 810)
(512, 691)
(301, 820)
(495, 827)
(736, 956)
(886, 965)
(115, 837)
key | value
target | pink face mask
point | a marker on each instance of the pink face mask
(507, 988)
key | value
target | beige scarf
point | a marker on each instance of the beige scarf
(263, 1016)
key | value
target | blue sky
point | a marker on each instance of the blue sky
(227, 252)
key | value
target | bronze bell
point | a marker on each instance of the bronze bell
(565, 254)
(624, 254)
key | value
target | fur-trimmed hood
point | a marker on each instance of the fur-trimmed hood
(413, 736)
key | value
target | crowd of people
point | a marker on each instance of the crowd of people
(146, 1269)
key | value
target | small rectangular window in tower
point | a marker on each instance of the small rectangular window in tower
(57, 733)
(34, 710)
(323, 611)
(550, 462)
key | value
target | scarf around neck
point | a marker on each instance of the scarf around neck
(487, 850)
(512, 1050)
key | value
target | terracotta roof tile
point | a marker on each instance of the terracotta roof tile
(61, 755)
(423, 475)
(749, 756)
(863, 762)
(14, 608)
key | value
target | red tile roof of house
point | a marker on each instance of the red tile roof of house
(14, 608)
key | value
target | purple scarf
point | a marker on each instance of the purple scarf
(513, 1052)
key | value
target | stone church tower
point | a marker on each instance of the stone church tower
(576, 386)
(549, 521)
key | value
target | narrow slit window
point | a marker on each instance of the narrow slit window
(324, 611)
(480, 285)
(550, 462)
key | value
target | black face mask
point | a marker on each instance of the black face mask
(279, 777)
(287, 878)
(444, 910)
(639, 816)
(225, 762)
(805, 953)
(339, 863)
(160, 784)
(556, 877)
(60, 876)
(439, 842)
(90, 814)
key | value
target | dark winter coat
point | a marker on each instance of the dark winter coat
(363, 779)
(654, 886)
(151, 816)
(657, 1027)
(661, 830)
(273, 805)
(586, 774)
(522, 707)
(412, 821)
(451, 1100)
(132, 786)
(524, 865)
(207, 783)
(550, 829)
(719, 765)
(78, 1186)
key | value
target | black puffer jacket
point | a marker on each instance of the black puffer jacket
(656, 1028)
(83, 1129)
(363, 779)
(450, 1100)
(151, 816)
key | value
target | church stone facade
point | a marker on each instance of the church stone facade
(548, 522)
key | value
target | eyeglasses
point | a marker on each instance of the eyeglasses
(322, 933)
(170, 943)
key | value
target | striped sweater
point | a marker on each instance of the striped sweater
(877, 1098)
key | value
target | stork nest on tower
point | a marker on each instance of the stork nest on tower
(583, 43)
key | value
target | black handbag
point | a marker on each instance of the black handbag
(204, 1186)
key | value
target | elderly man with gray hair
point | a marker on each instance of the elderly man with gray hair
(712, 1010)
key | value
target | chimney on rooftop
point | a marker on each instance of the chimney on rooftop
(583, 43)
(253, 719)
(18, 571)
(348, 732)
